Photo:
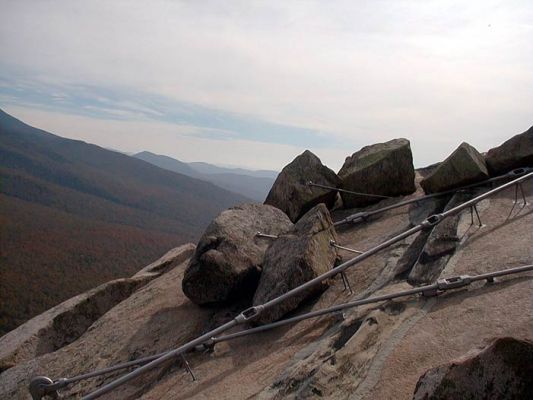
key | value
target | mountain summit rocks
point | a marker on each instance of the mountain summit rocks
(228, 259)
(294, 258)
(290, 192)
(502, 370)
(384, 169)
(464, 166)
(514, 153)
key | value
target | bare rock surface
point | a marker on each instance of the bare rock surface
(294, 258)
(290, 192)
(466, 319)
(514, 153)
(128, 329)
(442, 241)
(228, 259)
(169, 260)
(392, 344)
(378, 351)
(503, 370)
(66, 322)
(464, 166)
(381, 169)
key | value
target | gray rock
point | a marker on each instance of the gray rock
(295, 258)
(384, 169)
(290, 192)
(228, 259)
(440, 245)
(464, 166)
(417, 214)
(503, 370)
(419, 211)
(68, 321)
(514, 153)
(428, 170)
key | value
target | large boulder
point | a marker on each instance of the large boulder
(514, 153)
(294, 258)
(384, 169)
(464, 166)
(291, 193)
(228, 258)
(503, 370)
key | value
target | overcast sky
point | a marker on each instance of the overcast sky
(254, 83)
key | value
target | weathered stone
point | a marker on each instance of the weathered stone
(440, 245)
(503, 370)
(514, 153)
(290, 192)
(418, 212)
(66, 322)
(464, 166)
(384, 169)
(228, 259)
(295, 258)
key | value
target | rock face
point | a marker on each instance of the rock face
(228, 259)
(503, 370)
(417, 214)
(384, 169)
(294, 258)
(514, 153)
(66, 322)
(290, 192)
(440, 245)
(464, 166)
(376, 351)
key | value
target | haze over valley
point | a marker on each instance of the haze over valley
(75, 215)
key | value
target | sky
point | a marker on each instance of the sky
(255, 83)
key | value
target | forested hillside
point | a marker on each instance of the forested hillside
(73, 215)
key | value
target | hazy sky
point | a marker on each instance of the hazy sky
(254, 83)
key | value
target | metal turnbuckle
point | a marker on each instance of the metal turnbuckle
(454, 282)
(249, 314)
(40, 387)
(431, 221)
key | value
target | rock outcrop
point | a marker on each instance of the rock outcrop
(229, 256)
(382, 169)
(294, 258)
(66, 322)
(441, 244)
(373, 351)
(464, 166)
(514, 153)
(290, 192)
(418, 213)
(503, 370)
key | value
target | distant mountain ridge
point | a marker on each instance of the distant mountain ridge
(249, 183)
(207, 168)
(74, 215)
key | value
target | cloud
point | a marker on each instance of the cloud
(128, 104)
(181, 142)
(436, 72)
